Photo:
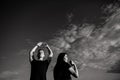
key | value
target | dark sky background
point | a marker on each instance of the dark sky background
(24, 23)
(38, 20)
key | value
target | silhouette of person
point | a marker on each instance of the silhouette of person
(39, 66)
(64, 69)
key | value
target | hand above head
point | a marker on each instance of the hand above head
(45, 44)
(49, 49)
(39, 43)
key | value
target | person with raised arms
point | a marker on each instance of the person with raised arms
(39, 66)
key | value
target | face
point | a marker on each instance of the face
(66, 58)
(42, 54)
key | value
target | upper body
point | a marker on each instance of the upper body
(63, 70)
(39, 67)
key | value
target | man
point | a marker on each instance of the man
(39, 66)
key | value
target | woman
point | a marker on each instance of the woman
(63, 69)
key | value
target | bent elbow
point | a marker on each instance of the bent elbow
(76, 75)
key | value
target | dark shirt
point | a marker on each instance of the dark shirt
(39, 69)
(63, 73)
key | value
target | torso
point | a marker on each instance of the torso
(63, 73)
(39, 69)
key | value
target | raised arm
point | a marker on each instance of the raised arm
(49, 51)
(33, 50)
(73, 69)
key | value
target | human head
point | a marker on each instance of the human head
(65, 58)
(41, 54)
(62, 57)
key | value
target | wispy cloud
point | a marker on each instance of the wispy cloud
(87, 43)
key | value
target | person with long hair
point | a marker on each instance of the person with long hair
(40, 65)
(64, 69)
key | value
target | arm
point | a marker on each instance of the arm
(73, 69)
(49, 51)
(33, 50)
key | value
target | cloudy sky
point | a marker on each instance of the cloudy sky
(24, 23)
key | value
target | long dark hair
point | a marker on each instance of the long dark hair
(60, 61)
(60, 64)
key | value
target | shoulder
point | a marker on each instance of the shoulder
(67, 65)
(33, 61)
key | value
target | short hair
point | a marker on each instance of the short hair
(38, 54)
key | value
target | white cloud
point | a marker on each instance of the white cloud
(117, 27)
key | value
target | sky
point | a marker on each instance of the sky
(24, 23)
